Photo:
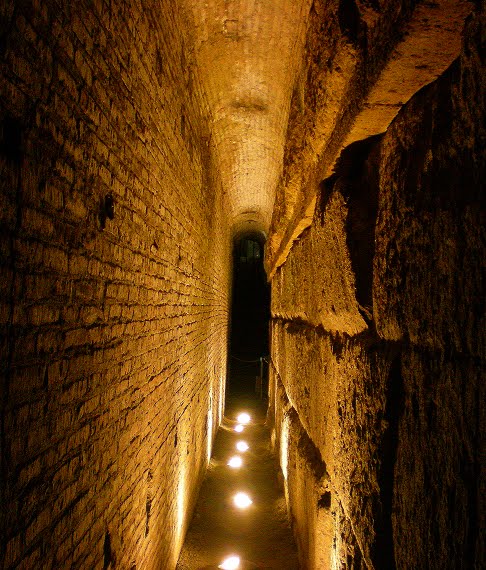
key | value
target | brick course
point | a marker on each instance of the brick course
(114, 331)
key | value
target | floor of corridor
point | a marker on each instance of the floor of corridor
(259, 535)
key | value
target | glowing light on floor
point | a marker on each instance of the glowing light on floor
(242, 446)
(239, 428)
(243, 418)
(230, 563)
(242, 500)
(284, 446)
(235, 461)
(210, 430)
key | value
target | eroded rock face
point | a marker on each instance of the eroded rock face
(428, 293)
(392, 410)
(364, 60)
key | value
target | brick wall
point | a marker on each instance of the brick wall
(114, 290)
(378, 342)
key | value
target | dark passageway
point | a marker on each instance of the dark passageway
(260, 537)
(250, 316)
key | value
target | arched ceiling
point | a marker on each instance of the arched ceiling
(248, 53)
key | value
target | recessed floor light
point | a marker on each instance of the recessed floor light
(242, 446)
(239, 428)
(235, 461)
(230, 563)
(243, 418)
(242, 500)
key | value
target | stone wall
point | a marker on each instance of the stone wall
(378, 341)
(363, 61)
(114, 290)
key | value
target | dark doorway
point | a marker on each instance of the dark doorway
(250, 314)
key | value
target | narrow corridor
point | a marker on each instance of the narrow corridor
(260, 535)
(196, 194)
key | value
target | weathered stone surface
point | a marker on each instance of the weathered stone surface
(433, 301)
(430, 43)
(306, 482)
(318, 285)
(438, 488)
(351, 87)
(328, 279)
(394, 412)
(135, 140)
(338, 389)
(429, 247)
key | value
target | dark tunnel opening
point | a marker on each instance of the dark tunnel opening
(250, 314)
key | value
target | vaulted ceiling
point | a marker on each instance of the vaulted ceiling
(248, 53)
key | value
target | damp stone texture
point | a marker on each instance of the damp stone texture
(376, 390)
(114, 285)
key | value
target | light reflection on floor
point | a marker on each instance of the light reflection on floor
(259, 536)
